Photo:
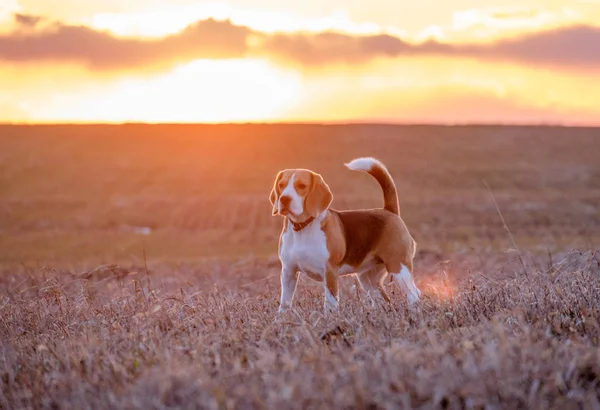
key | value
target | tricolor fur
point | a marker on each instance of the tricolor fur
(324, 243)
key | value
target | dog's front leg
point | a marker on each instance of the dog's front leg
(289, 279)
(331, 291)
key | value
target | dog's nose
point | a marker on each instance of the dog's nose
(285, 200)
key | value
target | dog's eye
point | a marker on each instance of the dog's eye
(301, 186)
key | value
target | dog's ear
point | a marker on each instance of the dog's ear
(319, 198)
(273, 196)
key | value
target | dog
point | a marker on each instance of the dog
(325, 243)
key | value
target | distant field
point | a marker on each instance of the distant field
(73, 194)
(196, 329)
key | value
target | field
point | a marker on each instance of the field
(138, 269)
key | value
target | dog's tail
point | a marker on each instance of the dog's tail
(382, 175)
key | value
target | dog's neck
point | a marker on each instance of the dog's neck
(298, 226)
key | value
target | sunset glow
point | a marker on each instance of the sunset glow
(211, 61)
(203, 90)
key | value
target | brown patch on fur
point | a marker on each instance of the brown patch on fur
(390, 194)
(362, 232)
(319, 197)
(303, 181)
(357, 234)
(281, 181)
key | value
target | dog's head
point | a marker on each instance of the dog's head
(299, 193)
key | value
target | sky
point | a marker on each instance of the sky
(451, 62)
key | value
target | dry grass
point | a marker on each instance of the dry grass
(187, 338)
(193, 326)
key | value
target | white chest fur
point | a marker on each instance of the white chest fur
(306, 250)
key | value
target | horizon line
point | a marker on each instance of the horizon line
(540, 124)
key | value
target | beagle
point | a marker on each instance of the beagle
(325, 244)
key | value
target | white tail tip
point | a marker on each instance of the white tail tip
(362, 164)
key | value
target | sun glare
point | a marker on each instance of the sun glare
(439, 287)
(201, 91)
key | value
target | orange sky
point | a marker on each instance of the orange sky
(455, 61)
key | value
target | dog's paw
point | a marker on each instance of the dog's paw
(283, 314)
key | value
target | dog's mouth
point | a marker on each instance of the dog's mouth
(286, 210)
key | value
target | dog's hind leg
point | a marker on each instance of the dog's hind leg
(405, 282)
(332, 293)
(372, 283)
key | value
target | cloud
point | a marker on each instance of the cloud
(27, 20)
(574, 46)
(104, 51)
(328, 47)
